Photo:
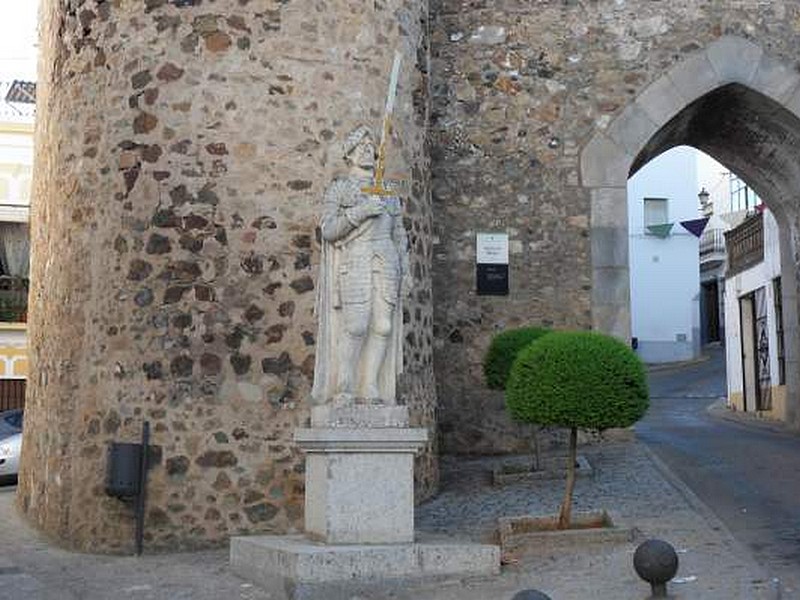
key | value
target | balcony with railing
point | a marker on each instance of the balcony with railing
(712, 248)
(745, 244)
(13, 299)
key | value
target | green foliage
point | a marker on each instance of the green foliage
(503, 351)
(577, 379)
(11, 311)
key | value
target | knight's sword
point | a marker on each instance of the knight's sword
(377, 187)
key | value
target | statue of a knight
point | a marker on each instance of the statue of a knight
(363, 272)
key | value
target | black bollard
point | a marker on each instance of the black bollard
(530, 595)
(656, 562)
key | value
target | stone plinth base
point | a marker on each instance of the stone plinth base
(293, 568)
(360, 483)
(358, 415)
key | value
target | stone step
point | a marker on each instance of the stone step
(295, 568)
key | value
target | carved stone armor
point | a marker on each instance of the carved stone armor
(367, 248)
(359, 304)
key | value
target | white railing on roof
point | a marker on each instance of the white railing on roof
(712, 242)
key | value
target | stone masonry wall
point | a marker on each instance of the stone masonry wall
(183, 147)
(519, 89)
(182, 150)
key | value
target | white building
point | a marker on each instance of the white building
(16, 165)
(756, 369)
(725, 199)
(663, 259)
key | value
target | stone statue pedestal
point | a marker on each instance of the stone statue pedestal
(360, 483)
(359, 516)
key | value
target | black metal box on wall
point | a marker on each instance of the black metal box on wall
(123, 473)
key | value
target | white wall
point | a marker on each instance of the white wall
(16, 169)
(761, 275)
(18, 24)
(665, 279)
(714, 177)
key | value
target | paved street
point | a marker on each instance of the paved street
(748, 473)
(33, 568)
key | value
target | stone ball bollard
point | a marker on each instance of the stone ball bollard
(656, 562)
(530, 595)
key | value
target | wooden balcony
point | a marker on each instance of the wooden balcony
(745, 244)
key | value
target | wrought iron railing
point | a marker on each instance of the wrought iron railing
(13, 299)
(712, 246)
(712, 241)
(12, 394)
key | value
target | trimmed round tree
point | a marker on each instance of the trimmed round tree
(578, 380)
(503, 351)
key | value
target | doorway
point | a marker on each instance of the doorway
(709, 309)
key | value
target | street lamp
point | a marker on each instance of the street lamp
(706, 208)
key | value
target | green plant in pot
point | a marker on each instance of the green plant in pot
(497, 363)
(577, 380)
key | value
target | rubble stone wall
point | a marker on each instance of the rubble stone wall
(521, 91)
(182, 150)
(183, 147)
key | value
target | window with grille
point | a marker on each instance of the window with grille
(780, 352)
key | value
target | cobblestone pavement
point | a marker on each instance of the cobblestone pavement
(628, 480)
(632, 483)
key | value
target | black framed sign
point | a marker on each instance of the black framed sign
(492, 264)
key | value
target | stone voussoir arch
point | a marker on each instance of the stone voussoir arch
(607, 158)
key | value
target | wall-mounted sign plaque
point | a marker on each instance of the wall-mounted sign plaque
(492, 264)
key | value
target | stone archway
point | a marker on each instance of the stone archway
(737, 104)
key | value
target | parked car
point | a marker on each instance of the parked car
(10, 445)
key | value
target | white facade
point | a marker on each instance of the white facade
(16, 166)
(664, 273)
(741, 292)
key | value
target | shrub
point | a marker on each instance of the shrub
(503, 351)
(577, 379)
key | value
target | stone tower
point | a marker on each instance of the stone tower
(182, 150)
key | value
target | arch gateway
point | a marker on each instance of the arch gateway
(182, 150)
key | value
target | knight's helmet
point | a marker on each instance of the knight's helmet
(354, 138)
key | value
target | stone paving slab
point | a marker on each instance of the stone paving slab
(628, 480)
(31, 568)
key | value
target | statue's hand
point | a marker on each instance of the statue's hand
(368, 208)
(372, 207)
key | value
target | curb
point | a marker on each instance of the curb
(719, 410)
(656, 367)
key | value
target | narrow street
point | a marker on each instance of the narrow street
(747, 473)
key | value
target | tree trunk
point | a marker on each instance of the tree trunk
(565, 514)
(537, 451)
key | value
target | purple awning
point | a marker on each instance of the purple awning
(695, 226)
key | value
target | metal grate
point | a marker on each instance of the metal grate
(22, 91)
